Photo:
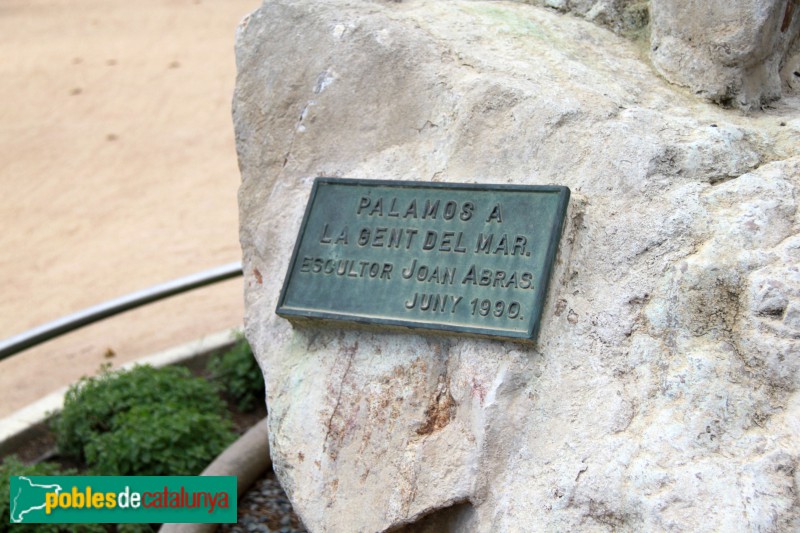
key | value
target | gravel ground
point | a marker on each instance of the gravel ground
(265, 509)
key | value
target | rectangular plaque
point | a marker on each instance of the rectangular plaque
(462, 258)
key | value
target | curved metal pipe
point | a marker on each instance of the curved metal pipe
(71, 322)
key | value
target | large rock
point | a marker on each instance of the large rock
(661, 394)
(729, 52)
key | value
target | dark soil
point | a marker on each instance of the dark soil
(242, 421)
(41, 447)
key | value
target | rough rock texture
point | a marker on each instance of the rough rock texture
(790, 73)
(730, 52)
(628, 17)
(662, 394)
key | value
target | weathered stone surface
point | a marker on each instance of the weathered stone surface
(662, 394)
(790, 73)
(628, 17)
(729, 52)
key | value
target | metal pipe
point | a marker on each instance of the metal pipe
(71, 322)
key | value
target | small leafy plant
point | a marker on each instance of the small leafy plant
(159, 440)
(146, 421)
(238, 375)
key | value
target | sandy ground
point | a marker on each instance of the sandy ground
(117, 172)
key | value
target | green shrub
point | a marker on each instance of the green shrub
(135, 422)
(13, 467)
(238, 375)
(159, 440)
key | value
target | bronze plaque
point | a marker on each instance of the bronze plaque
(461, 258)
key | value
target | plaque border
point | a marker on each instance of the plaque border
(563, 193)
